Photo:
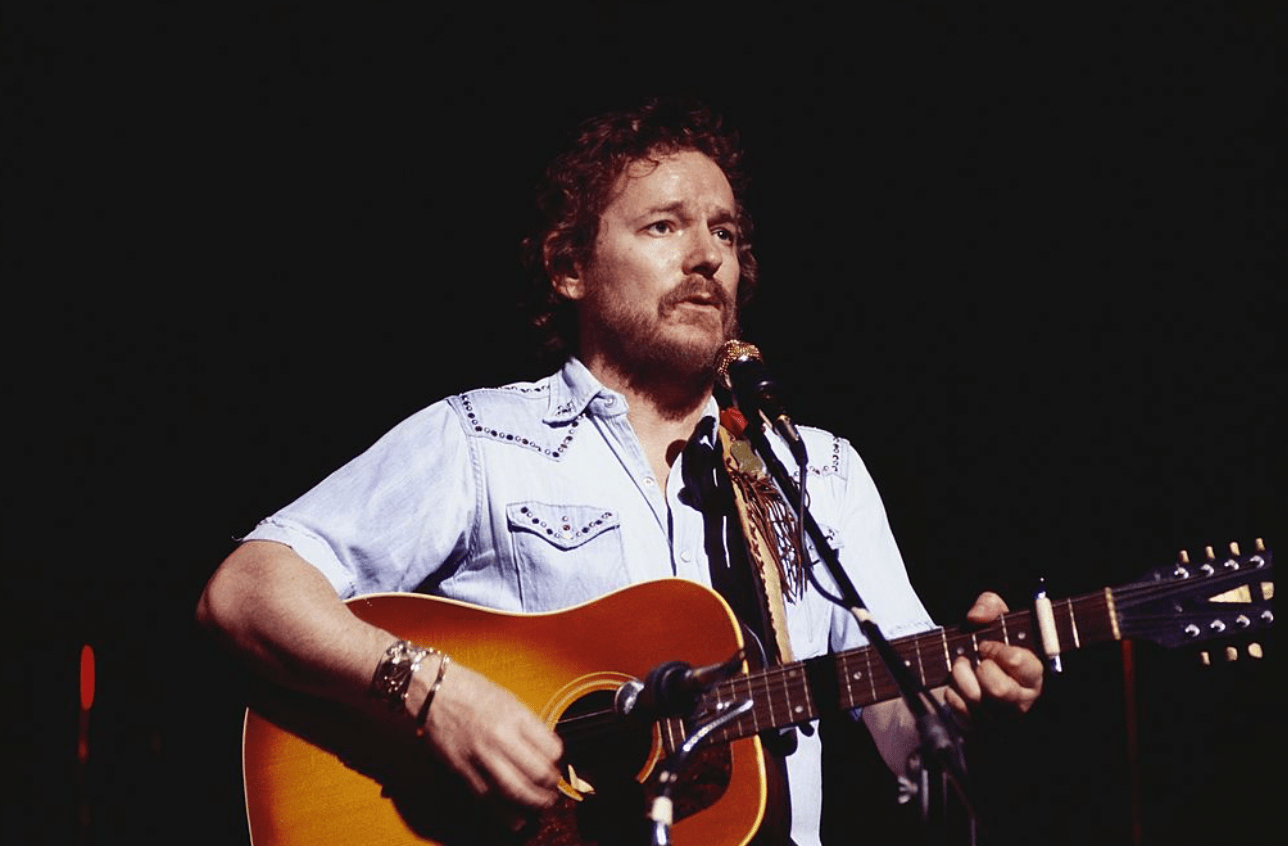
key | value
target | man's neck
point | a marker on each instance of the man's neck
(663, 412)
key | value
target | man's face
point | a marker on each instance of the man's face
(658, 295)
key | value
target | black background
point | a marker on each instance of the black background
(1030, 263)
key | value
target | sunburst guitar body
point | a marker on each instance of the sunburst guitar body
(314, 774)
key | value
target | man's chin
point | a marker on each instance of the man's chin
(699, 325)
(675, 347)
(689, 349)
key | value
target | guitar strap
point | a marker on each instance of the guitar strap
(768, 531)
(739, 538)
(742, 547)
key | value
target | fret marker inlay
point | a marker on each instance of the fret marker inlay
(1073, 624)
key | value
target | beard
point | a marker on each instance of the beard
(666, 352)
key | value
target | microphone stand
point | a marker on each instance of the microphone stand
(660, 812)
(940, 741)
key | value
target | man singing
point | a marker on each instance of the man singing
(539, 496)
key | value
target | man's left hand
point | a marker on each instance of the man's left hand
(1006, 679)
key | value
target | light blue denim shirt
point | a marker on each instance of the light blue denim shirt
(537, 496)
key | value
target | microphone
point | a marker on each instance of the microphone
(741, 370)
(672, 689)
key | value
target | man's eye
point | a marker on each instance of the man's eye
(727, 235)
(661, 227)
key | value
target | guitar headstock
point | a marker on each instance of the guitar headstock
(1222, 597)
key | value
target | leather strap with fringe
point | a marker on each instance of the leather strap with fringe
(769, 527)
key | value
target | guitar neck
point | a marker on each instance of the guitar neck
(793, 693)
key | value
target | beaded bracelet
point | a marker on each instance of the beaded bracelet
(423, 715)
(393, 674)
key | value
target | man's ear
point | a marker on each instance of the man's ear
(565, 276)
(568, 286)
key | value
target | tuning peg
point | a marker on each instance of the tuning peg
(1182, 565)
(1259, 545)
(1231, 654)
(1234, 548)
(1205, 659)
(1209, 554)
(1255, 651)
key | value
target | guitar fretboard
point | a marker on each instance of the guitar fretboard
(790, 694)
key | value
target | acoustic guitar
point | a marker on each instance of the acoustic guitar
(315, 774)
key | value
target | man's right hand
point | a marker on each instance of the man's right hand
(280, 614)
(492, 740)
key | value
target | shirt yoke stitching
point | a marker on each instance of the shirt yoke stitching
(479, 426)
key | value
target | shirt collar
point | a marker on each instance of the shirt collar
(575, 388)
(706, 427)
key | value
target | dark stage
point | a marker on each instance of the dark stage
(1029, 262)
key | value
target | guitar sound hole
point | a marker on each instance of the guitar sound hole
(604, 761)
(602, 750)
(608, 766)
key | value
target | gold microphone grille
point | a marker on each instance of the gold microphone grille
(731, 351)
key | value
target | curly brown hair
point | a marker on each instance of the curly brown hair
(577, 189)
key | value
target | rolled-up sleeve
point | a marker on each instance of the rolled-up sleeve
(392, 516)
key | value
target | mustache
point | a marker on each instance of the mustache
(693, 288)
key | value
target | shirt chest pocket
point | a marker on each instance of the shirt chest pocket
(566, 554)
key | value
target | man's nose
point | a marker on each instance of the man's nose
(705, 254)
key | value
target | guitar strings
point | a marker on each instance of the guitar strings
(792, 685)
